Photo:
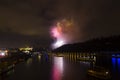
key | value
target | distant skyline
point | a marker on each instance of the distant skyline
(28, 22)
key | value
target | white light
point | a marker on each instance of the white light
(58, 61)
(2, 54)
(106, 72)
(58, 43)
(27, 51)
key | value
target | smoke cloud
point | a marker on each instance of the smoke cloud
(65, 31)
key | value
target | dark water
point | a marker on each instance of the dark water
(49, 67)
(116, 68)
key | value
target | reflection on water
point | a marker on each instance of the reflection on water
(39, 57)
(64, 66)
(7, 74)
(29, 61)
(119, 65)
(57, 68)
(116, 67)
(114, 64)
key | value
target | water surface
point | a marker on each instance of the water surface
(67, 67)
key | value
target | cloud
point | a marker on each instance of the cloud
(95, 18)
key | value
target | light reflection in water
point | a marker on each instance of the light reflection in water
(29, 61)
(39, 57)
(113, 63)
(10, 72)
(6, 74)
(116, 64)
(119, 65)
(57, 68)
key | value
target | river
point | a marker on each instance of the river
(64, 67)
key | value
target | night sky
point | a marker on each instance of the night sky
(28, 22)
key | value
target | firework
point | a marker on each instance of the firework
(63, 32)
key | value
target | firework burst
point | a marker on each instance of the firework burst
(63, 32)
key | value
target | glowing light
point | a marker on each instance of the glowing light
(57, 68)
(116, 63)
(26, 49)
(61, 32)
(58, 43)
(2, 54)
(55, 32)
(58, 61)
(39, 57)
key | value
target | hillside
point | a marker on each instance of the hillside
(99, 44)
